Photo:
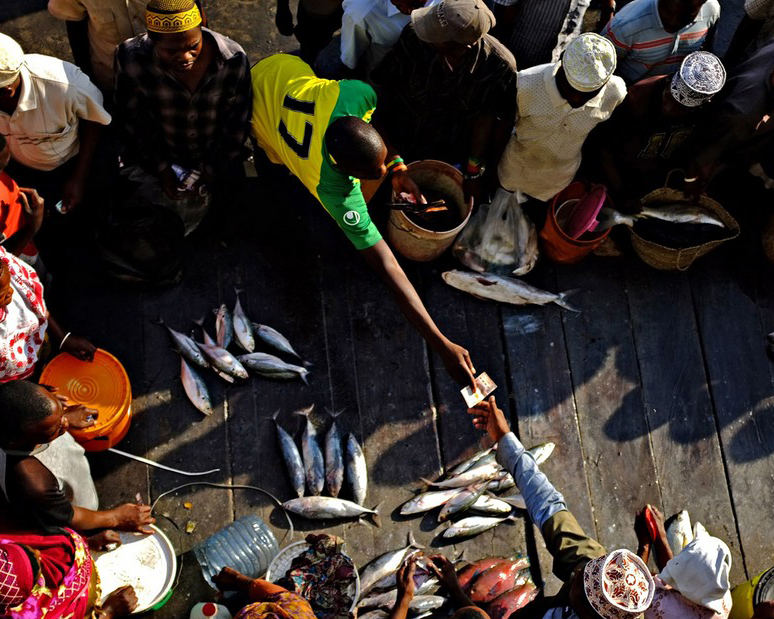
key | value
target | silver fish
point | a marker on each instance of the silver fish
(473, 525)
(374, 614)
(243, 328)
(357, 471)
(461, 501)
(269, 366)
(210, 342)
(293, 463)
(487, 504)
(326, 507)
(423, 603)
(334, 458)
(428, 500)
(313, 458)
(679, 532)
(194, 388)
(385, 599)
(516, 500)
(223, 360)
(505, 289)
(542, 452)
(504, 481)
(274, 339)
(470, 462)
(426, 587)
(676, 212)
(419, 603)
(485, 459)
(224, 326)
(384, 565)
(186, 346)
(471, 476)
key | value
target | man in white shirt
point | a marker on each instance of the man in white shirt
(558, 105)
(51, 116)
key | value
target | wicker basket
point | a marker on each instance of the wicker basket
(669, 258)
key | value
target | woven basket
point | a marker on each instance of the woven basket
(669, 258)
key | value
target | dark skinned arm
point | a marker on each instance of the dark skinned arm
(488, 138)
(284, 18)
(747, 31)
(78, 35)
(127, 517)
(455, 358)
(75, 345)
(401, 181)
(72, 192)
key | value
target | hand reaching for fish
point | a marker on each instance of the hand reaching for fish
(405, 581)
(487, 416)
(402, 182)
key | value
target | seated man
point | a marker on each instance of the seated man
(44, 475)
(182, 101)
(647, 135)
(448, 89)
(51, 115)
(559, 104)
(319, 129)
(652, 37)
(579, 561)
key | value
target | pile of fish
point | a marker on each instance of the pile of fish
(309, 470)
(470, 487)
(500, 586)
(231, 328)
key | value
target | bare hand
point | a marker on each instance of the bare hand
(171, 185)
(120, 603)
(79, 347)
(133, 517)
(284, 19)
(229, 579)
(100, 541)
(72, 193)
(79, 416)
(402, 182)
(405, 580)
(487, 416)
(457, 362)
(764, 610)
(33, 207)
(444, 570)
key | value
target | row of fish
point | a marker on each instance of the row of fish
(470, 487)
(675, 212)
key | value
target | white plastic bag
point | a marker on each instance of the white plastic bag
(499, 238)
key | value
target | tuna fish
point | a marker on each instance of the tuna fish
(274, 339)
(269, 366)
(384, 565)
(334, 458)
(243, 328)
(428, 500)
(194, 387)
(224, 326)
(325, 507)
(313, 458)
(186, 346)
(357, 472)
(509, 602)
(293, 463)
(222, 360)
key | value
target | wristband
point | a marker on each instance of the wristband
(64, 339)
(395, 162)
(691, 180)
(400, 167)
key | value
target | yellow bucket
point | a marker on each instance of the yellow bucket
(748, 595)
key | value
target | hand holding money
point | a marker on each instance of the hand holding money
(484, 386)
(487, 416)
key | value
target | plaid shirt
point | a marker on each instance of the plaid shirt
(162, 123)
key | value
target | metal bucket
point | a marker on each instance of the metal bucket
(411, 240)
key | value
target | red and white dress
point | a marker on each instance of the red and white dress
(23, 322)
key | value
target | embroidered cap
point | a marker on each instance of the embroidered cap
(701, 75)
(11, 60)
(588, 62)
(172, 16)
(461, 21)
(618, 585)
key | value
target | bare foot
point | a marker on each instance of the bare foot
(120, 603)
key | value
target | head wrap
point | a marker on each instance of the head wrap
(700, 76)
(16, 576)
(588, 62)
(11, 60)
(172, 16)
(618, 585)
(461, 21)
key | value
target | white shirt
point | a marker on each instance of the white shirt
(110, 22)
(544, 152)
(42, 132)
(370, 28)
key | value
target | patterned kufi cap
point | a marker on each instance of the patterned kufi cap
(701, 75)
(172, 16)
(588, 62)
(618, 585)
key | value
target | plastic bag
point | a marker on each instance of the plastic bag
(499, 238)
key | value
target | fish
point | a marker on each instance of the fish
(222, 360)
(461, 501)
(374, 614)
(469, 573)
(427, 500)
(498, 579)
(505, 289)
(469, 463)
(224, 326)
(509, 602)
(426, 587)
(486, 459)
(423, 603)
(674, 212)
(357, 471)
(678, 531)
(473, 525)
(243, 328)
(194, 388)
(516, 500)
(186, 346)
(487, 504)
(269, 366)
(386, 600)
(293, 463)
(274, 339)
(210, 342)
(313, 458)
(505, 481)
(542, 452)
(334, 458)
(326, 507)
(476, 474)
(384, 565)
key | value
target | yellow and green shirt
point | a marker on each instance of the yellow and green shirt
(292, 109)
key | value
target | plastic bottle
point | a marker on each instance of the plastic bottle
(208, 610)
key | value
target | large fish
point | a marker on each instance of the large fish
(489, 458)
(293, 462)
(428, 500)
(676, 212)
(243, 328)
(313, 458)
(186, 346)
(473, 525)
(471, 462)
(498, 579)
(334, 458)
(274, 339)
(222, 360)
(461, 501)
(269, 366)
(505, 289)
(326, 507)
(469, 574)
(194, 388)
(509, 602)
(679, 532)
(471, 476)
(224, 326)
(384, 565)
(357, 471)
(486, 504)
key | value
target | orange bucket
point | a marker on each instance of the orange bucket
(101, 384)
(556, 244)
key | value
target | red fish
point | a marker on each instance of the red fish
(509, 602)
(470, 572)
(497, 580)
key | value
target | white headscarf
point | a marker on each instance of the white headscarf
(11, 60)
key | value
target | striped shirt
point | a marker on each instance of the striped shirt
(645, 49)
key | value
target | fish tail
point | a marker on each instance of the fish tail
(427, 481)
(199, 321)
(304, 412)
(159, 321)
(335, 414)
(411, 541)
(561, 301)
(303, 376)
(375, 518)
(306, 364)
